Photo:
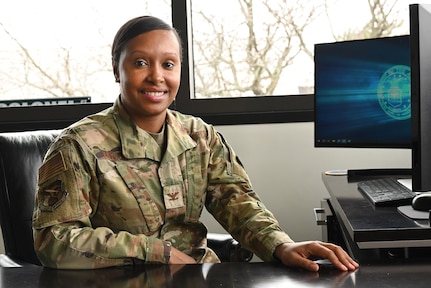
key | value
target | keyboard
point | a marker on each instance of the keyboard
(386, 192)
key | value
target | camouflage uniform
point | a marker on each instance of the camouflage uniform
(110, 195)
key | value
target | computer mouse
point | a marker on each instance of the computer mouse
(422, 202)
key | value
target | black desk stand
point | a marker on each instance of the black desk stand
(372, 233)
(355, 174)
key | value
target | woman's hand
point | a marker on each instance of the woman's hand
(298, 254)
(178, 257)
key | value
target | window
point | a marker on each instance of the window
(62, 48)
(250, 63)
(239, 102)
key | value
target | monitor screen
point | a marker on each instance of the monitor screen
(362, 93)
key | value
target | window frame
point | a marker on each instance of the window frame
(45, 117)
(229, 111)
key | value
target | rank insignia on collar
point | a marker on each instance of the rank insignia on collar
(173, 196)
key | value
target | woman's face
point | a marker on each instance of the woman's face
(149, 72)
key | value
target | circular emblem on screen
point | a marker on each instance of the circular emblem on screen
(393, 92)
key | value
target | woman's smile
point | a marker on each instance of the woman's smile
(154, 96)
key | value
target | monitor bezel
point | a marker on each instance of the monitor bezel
(420, 47)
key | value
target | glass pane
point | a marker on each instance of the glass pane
(53, 48)
(263, 48)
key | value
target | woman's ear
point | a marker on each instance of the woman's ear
(115, 69)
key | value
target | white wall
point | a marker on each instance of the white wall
(285, 170)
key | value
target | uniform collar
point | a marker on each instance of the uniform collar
(137, 143)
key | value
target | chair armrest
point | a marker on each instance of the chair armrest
(9, 261)
(227, 248)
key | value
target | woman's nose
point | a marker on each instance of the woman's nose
(156, 75)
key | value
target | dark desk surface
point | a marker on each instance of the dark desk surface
(219, 275)
(370, 226)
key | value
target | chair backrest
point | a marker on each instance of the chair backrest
(21, 154)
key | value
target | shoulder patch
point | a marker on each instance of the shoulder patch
(52, 196)
(52, 167)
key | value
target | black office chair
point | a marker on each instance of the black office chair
(21, 154)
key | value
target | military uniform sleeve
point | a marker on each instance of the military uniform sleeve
(66, 197)
(234, 204)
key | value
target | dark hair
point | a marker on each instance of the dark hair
(135, 27)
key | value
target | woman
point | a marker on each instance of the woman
(128, 185)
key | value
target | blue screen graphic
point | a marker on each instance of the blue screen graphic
(362, 93)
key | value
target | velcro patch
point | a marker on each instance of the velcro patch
(52, 196)
(173, 197)
(52, 167)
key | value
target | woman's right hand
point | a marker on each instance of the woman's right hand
(178, 257)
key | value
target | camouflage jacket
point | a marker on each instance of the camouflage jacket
(108, 195)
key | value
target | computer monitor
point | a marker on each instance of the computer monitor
(420, 23)
(362, 93)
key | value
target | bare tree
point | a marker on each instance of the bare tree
(58, 72)
(383, 20)
(33, 70)
(249, 57)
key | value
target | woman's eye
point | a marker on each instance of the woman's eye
(140, 63)
(169, 65)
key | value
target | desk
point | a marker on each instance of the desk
(368, 227)
(229, 274)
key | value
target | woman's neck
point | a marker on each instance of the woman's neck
(151, 124)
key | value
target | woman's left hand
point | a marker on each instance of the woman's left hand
(298, 254)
